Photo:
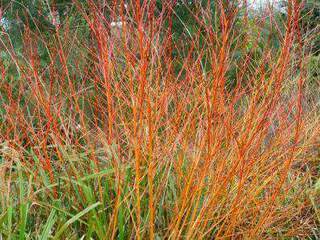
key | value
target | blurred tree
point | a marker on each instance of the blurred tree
(43, 15)
(309, 21)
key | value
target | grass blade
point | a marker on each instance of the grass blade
(49, 224)
(74, 219)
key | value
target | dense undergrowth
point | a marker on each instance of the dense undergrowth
(138, 131)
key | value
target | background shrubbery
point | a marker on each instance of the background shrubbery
(159, 119)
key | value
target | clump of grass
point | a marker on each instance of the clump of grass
(128, 132)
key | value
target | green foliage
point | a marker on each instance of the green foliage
(310, 22)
